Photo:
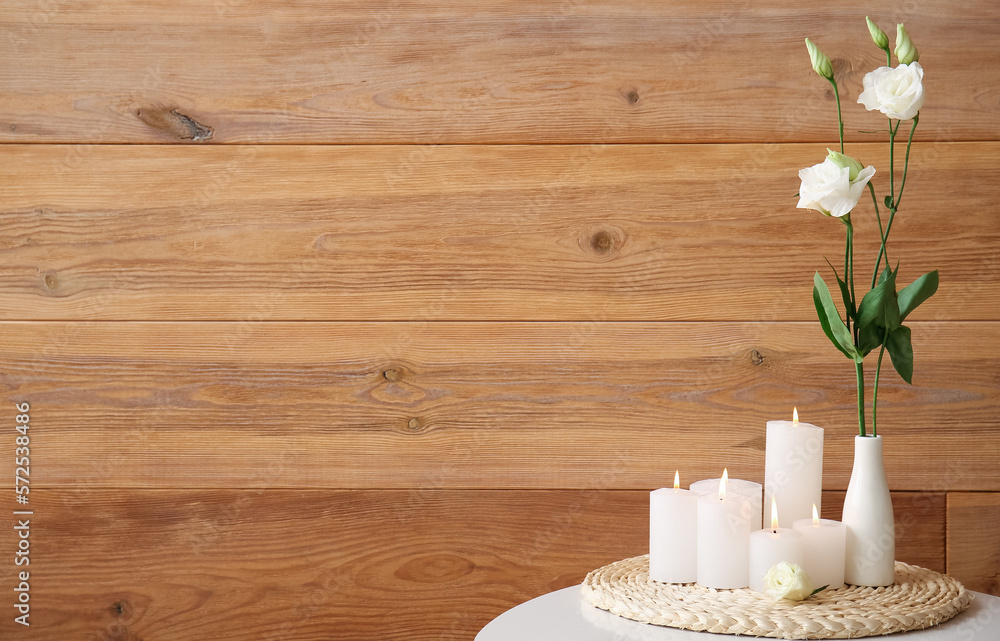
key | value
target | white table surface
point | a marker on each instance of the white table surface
(563, 615)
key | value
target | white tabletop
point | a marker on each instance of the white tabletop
(563, 615)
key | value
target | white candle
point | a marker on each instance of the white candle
(723, 540)
(736, 486)
(823, 545)
(772, 546)
(673, 534)
(793, 467)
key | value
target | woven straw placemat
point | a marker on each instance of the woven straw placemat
(919, 599)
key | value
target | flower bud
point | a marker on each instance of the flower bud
(843, 161)
(821, 64)
(878, 36)
(906, 52)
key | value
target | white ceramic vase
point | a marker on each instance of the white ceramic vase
(871, 531)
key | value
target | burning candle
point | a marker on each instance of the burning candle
(723, 539)
(793, 466)
(823, 545)
(772, 546)
(673, 541)
(748, 489)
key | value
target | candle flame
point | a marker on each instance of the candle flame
(774, 515)
(677, 480)
(722, 484)
(815, 515)
(795, 415)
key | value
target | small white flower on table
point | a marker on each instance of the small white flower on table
(788, 581)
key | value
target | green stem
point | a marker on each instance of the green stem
(849, 271)
(878, 370)
(860, 369)
(892, 164)
(847, 267)
(888, 57)
(882, 250)
(906, 163)
(840, 118)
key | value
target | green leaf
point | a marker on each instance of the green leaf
(869, 337)
(901, 351)
(845, 292)
(886, 273)
(888, 201)
(917, 292)
(829, 318)
(891, 307)
(879, 306)
(817, 590)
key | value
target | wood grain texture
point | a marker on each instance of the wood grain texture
(299, 565)
(974, 540)
(296, 565)
(398, 309)
(454, 72)
(481, 405)
(593, 233)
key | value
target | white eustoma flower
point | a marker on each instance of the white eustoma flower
(896, 92)
(787, 581)
(828, 187)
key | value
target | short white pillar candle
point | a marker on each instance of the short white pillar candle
(723, 539)
(823, 545)
(771, 546)
(736, 486)
(793, 467)
(673, 534)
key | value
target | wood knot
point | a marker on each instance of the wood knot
(414, 424)
(173, 122)
(435, 568)
(604, 242)
(50, 280)
(841, 67)
(756, 357)
(632, 97)
(390, 375)
(122, 609)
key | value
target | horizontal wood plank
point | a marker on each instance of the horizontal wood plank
(480, 405)
(974, 540)
(300, 565)
(454, 72)
(255, 564)
(635, 232)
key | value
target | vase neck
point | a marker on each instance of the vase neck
(868, 451)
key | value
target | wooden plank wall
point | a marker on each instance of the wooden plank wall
(374, 319)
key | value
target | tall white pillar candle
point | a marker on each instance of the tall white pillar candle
(673, 534)
(771, 546)
(723, 540)
(823, 545)
(736, 486)
(793, 467)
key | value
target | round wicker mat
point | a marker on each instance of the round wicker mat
(919, 599)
